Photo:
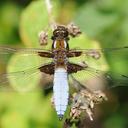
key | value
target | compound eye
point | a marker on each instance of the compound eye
(60, 33)
(65, 33)
(56, 33)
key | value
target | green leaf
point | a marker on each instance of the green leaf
(20, 81)
(116, 121)
(34, 19)
(92, 21)
(14, 120)
(9, 25)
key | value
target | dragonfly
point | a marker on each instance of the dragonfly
(61, 69)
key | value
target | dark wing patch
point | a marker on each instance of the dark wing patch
(73, 68)
(46, 54)
(73, 53)
(48, 69)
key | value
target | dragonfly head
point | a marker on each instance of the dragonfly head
(60, 33)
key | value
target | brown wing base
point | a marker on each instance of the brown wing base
(73, 68)
(46, 54)
(48, 69)
(74, 53)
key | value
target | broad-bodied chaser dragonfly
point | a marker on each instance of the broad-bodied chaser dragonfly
(60, 68)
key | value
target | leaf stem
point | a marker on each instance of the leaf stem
(49, 7)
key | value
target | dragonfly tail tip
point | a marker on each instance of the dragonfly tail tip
(60, 117)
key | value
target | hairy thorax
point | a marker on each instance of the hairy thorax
(60, 58)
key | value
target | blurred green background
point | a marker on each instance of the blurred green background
(103, 21)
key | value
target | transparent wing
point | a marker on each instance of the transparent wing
(98, 54)
(99, 58)
(20, 61)
(8, 50)
(96, 58)
(107, 49)
(23, 81)
(96, 79)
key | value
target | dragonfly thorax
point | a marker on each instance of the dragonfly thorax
(60, 58)
(60, 44)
